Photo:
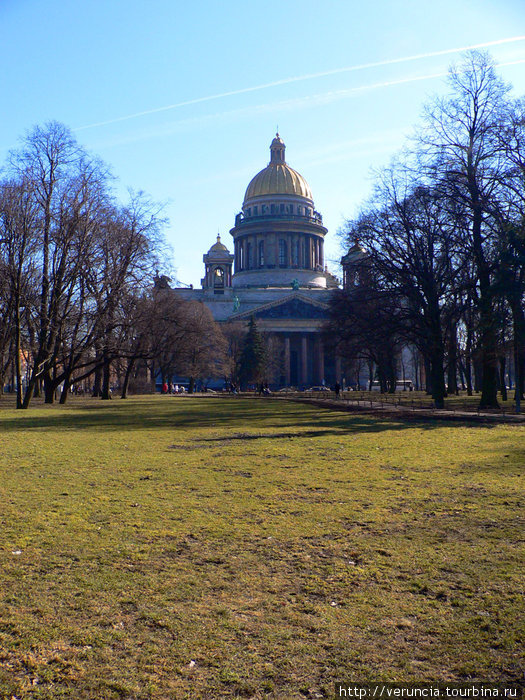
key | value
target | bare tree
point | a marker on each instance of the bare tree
(18, 236)
(59, 178)
(126, 257)
(511, 218)
(73, 260)
(410, 242)
(462, 154)
(185, 340)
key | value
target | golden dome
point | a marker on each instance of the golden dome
(218, 246)
(218, 250)
(278, 177)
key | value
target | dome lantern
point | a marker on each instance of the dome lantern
(277, 149)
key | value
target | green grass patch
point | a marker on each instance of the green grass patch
(166, 547)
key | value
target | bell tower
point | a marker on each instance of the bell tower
(218, 263)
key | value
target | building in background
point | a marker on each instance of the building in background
(276, 274)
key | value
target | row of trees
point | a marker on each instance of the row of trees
(444, 235)
(82, 303)
(76, 273)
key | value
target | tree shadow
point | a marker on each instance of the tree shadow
(224, 412)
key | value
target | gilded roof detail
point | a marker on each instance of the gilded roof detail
(218, 246)
(278, 178)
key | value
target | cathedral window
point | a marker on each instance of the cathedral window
(249, 256)
(218, 280)
(261, 253)
(255, 210)
(282, 253)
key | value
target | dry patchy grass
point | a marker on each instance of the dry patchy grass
(169, 547)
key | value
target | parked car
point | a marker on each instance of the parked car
(318, 388)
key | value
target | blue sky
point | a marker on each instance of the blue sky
(182, 99)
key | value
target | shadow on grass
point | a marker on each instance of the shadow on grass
(272, 436)
(188, 412)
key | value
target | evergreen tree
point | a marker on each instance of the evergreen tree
(253, 357)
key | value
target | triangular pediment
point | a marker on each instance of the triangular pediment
(290, 307)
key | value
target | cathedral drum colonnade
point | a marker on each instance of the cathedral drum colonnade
(276, 273)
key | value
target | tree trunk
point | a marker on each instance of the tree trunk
(452, 374)
(502, 368)
(468, 363)
(478, 371)
(127, 377)
(65, 389)
(105, 394)
(97, 382)
(18, 361)
(31, 390)
(428, 375)
(49, 388)
(518, 320)
(437, 366)
(382, 379)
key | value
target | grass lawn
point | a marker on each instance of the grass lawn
(164, 547)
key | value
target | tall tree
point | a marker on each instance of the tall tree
(253, 356)
(511, 217)
(410, 243)
(18, 241)
(462, 155)
(59, 177)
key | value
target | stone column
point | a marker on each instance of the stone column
(338, 368)
(287, 371)
(304, 359)
(320, 360)
(274, 257)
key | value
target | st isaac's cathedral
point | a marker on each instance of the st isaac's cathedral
(276, 273)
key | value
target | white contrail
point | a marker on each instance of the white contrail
(309, 76)
(277, 106)
(280, 106)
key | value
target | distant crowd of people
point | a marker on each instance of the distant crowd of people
(170, 388)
